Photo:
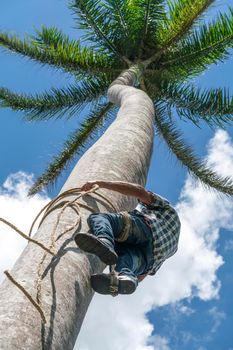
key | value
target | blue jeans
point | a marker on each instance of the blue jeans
(135, 255)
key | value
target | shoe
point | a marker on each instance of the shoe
(93, 245)
(113, 284)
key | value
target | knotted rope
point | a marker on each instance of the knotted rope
(54, 204)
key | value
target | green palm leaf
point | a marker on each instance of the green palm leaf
(93, 17)
(121, 27)
(51, 47)
(214, 106)
(56, 102)
(150, 15)
(203, 47)
(54, 40)
(73, 146)
(117, 11)
(181, 17)
(186, 156)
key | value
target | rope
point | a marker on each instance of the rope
(49, 208)
(25, 236)
(54, 204)
(37, 306)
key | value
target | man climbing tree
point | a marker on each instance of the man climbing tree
(139, 66)
(137, 242)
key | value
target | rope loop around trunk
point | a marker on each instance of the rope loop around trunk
(63, 202)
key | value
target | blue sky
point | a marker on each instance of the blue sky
(190, 321)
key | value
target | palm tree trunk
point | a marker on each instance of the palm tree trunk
(122, 153)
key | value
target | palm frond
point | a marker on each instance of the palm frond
(53, 48)
(93, 17)
(203, 47)
(50, 38)
(181, 17)
(186, 156)
(152, 13)
(73, 146)
(143, 18)
(56, 102)
(123, 16)
(214, 106)
(119, 12)
(119, 33)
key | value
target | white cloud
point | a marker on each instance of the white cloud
(218, 317)
(160, 343)
(121, 323)
(228, 245)
(185, 310)
(17, 208)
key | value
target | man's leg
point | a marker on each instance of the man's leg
(133, 260)
(104, 227)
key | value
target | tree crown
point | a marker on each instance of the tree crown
(162, 40)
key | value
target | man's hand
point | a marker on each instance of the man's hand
(88, 185)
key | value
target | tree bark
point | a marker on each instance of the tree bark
(122, 153)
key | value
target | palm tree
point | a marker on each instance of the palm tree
(139, 62)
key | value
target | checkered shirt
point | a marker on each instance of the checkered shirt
(165, 225)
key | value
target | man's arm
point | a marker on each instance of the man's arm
(126, 188)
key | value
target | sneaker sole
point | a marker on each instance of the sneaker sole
(93, 245)
(101, 284)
